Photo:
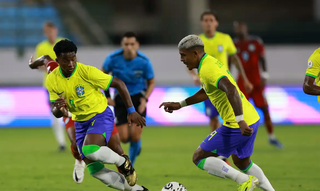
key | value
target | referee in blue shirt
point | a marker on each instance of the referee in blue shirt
(135, 70)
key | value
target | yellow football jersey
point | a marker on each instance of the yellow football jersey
(46, 48)
(219, 46)
(82, 90)
(313, 69)
(211, 71)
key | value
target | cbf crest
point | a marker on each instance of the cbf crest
(80, 91)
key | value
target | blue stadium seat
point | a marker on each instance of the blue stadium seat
(24, 24)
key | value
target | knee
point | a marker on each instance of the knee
(88, 151)
(135, 137)
(196, 157)
(124, 139)
(241, 164)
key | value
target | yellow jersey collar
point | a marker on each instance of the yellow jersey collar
(200, 64)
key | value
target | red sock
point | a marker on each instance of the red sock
(268, 122)
(75, 153)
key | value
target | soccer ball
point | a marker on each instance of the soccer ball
(174, 186)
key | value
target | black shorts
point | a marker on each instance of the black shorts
(121, 110)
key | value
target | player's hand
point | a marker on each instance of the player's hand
(60, 103)
(196, 80)
(136, 118)
(170, 106)
(143, 105)
(248, 86)
(245, 129)
(111, 102)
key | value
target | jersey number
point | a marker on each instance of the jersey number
(71, 101)
(212, 134)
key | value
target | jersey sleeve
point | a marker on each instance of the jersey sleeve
(148, 71)
(231, 48)
(211, 75)
(98, 78)
(52, 94)
(51, 65)
(107, 64)
(313, 65)
(38, 51)
(261, 50)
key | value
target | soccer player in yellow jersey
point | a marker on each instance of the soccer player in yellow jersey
(220, 46)
(240, 120)
(46, 48)
(76, 87)
(311, 83)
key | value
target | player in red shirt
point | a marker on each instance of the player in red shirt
(78, 172)
(250, 50)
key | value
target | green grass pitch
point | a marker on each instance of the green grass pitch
(30, 161)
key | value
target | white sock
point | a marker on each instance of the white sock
(272, 136)
(58, 131)
(112, 179)
(264, 183)
(106, 156)
(221, 169)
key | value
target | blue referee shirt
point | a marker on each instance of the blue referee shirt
(133, 73)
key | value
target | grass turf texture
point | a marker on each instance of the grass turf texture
(30, 161)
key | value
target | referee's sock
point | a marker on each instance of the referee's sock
(134, 150)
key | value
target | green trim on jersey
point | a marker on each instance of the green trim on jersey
(307, 74)
(201, 163)
(89, 149)
(232, 54)
(219, 80)
(95, 167)
(248, 167)
(200, 64)
(52, 101)
(71, 73)
(109, 83)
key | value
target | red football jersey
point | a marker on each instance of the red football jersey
(51, 65)
(249, 53)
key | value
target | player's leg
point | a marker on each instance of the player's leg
(213, 114)
(219, 142)
(79, 166)
(97, 134)
(121, 119)
(58, 131)
(261, 103)
(136, 131)
(241, 159)
(114, 142)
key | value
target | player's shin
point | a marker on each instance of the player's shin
(109, 177)
(221, 169)
(58, 130)
(134, 150)
(102, 154)
(256, 171)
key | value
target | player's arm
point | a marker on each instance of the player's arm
(149, 77)
(198, 97)
(58, 105)
(41, 61)
(235, 101)
(309, 86)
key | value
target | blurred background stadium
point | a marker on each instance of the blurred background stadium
(290, 30)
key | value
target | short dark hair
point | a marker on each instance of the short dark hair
(50, 24)
(213, 13)
(129, 34)
(64, 46)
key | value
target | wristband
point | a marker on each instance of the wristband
(131, 109)
(183, 103)
(69, 114)
(264, 75)
(239, 118)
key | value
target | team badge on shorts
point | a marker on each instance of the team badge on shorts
(220, 48)
(310, 64)
(80, 91)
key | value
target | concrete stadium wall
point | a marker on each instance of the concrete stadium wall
(286, 64)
